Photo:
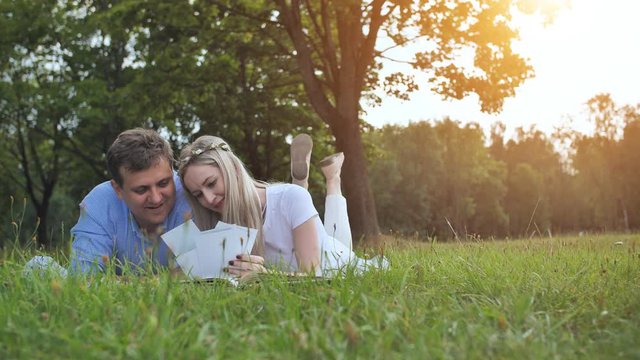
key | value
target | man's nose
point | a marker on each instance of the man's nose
(156, 195)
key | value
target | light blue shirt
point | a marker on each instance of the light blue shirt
(106, 229)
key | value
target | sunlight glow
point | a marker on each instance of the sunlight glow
(590, 48)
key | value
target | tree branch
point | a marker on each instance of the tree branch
(23, 158)
(367, 50)
(290, 18)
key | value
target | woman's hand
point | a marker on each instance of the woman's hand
(246, 266)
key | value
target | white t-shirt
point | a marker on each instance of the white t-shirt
(289, 206)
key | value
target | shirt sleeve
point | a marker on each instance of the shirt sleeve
(91, 244)
(298, 205)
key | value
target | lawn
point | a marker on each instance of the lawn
(567, 297)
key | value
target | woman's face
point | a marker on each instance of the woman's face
(206, 184)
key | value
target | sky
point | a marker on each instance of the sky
(591, 47)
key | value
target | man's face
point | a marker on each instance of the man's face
(150, 194)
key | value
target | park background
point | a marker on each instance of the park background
(412, 92)
(76, 73)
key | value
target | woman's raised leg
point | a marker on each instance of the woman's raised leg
(336, 218)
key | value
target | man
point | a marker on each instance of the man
(121, 220)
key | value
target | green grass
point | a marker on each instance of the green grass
(538, 298)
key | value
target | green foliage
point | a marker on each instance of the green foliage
(75, 74)
(536, 298)
(629, 168)
(524, 199)
(491, 218)
(36, 102)
(442, 180)
(467, 166)
(433, 179)
(404, 176)
(606, 163)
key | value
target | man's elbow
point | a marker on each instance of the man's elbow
(85, 266)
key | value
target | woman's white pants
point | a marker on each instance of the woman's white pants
(336, 219)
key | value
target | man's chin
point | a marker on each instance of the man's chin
(156, 221)
(159, 218)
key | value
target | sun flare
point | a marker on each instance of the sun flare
(588, 48)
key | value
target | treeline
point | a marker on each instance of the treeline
(441, 179)
(436, 179)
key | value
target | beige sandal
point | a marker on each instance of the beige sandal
(301, 147)
(331, 165)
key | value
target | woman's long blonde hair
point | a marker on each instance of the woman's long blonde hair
(242, 204)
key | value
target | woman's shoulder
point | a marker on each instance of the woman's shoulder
(286, 194)
(292, 202)
(285, 190)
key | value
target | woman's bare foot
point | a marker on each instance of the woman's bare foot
(331, 167)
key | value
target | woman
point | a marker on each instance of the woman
(291, 236)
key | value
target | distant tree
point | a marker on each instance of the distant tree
(465, 180)
(496, 136)
(431, 179)
(404, 173)
(490, 218)
(605, 115)
(11, 197)
(524, 201)
(602, 162)
(630, 168)
(594, 173)
(536, 149)
(35, 105)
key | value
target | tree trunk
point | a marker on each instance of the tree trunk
(625, 215)
(42, 239)
(344, 80)
(42, 210)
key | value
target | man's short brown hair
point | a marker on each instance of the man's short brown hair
(135, 150)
